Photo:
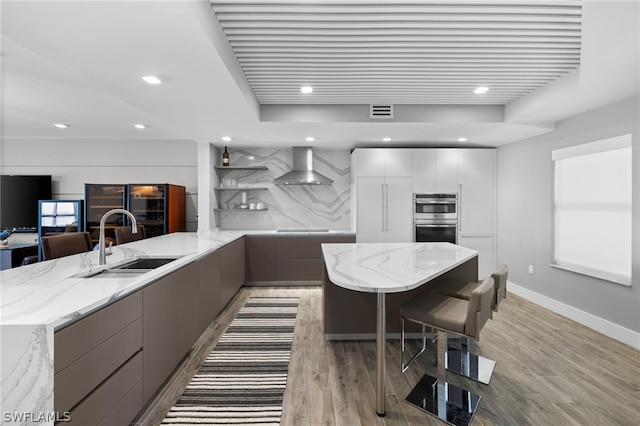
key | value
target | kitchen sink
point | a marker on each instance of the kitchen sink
(118, 273)
(146, 263)
(302, 230)
(132, 269)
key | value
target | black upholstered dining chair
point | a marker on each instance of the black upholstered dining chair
(65, 244)
(124, 234)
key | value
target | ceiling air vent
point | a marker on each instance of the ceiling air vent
(381, 111)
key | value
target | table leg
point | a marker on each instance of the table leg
(381, 362)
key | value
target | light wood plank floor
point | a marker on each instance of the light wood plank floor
(550, 371)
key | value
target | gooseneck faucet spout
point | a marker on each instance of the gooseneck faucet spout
(102, 257)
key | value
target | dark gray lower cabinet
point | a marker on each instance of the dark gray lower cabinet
(288, 258)
(232, 270)
(98, 363)
(209, 298)
(160, 332)
(108, 365)
(261, 258)
(188, 307)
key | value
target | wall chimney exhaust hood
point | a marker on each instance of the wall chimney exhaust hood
(302, 173)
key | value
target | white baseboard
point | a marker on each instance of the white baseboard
(615, 331)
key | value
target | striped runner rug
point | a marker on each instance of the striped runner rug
(243, 379)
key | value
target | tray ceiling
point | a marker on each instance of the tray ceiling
(409, 52)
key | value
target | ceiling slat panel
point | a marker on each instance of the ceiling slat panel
(413, 51)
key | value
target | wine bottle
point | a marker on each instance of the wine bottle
(225, 157)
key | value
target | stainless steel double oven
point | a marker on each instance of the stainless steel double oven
(435, 218)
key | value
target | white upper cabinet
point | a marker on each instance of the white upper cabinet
(476, 174)
(370, 162)
(446, 170)
(380, 162)
(423, 163)
(434, 170)
(398, 163)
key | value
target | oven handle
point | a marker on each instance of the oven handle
(435, 202)
(435, 226)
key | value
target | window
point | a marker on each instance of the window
(592, 209)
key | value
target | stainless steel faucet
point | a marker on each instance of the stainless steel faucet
(102, 257)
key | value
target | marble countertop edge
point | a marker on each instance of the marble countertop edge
(390, 267)
(55, 293)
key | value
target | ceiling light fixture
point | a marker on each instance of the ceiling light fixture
(61, 126)
(310, 139)
(386, 139)
(480, 90)
(139, 126)
(306, 89)
(226, 138)
(151, 79)
(463, 139)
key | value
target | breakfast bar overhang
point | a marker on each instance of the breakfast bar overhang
(359, 276)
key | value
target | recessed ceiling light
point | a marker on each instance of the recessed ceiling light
(139, 126)
(61, 126)
(480, 90)
(310, 139)
(306, 89)
(251, 157)
(386, 139)
(463, 139)
(151, 79)
(226, 138)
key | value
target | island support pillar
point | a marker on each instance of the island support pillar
(381, 360)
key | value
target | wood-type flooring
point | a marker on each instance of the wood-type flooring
(550, 371)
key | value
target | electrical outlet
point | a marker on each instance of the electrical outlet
(531, 269)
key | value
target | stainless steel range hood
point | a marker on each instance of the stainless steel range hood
(302, 173)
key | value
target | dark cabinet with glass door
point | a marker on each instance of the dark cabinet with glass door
(160, 208)
(99, 199)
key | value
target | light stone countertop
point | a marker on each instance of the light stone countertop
(53, 293)
(390, 267)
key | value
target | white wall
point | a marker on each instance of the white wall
(524, 176)
(72, 163)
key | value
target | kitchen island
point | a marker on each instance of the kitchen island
(50, 298)
(359, 276)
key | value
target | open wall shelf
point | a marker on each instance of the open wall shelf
(241, 168)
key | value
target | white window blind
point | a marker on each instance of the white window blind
(592, 209)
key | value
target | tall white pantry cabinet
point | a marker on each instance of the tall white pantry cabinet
(385, 179)
(383, 192)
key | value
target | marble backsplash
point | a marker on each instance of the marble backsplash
(287, 206)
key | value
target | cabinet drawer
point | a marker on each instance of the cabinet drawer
(127, 408)
(305, 247)
(76, 340)
(110, 394)
(298, 248)
(299, 269)
(80, 378)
